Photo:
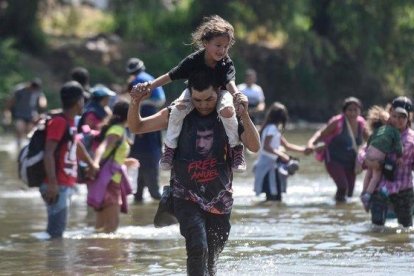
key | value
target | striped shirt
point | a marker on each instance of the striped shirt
(403, 175)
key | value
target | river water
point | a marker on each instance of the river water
(306, 234)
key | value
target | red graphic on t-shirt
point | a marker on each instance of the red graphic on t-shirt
(203, 170)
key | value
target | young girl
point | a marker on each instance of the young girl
(110, 188)
(213, 38)
(385, 139)
(266, 175)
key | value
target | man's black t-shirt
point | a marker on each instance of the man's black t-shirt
(201, 167)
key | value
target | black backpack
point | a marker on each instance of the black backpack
(31, 168)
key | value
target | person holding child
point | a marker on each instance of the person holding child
(213, 37)
(384, 140)
(271, 157)
(400, 189)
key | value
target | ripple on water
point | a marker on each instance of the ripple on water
(127, 233)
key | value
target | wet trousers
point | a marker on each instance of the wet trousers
(402, 203)
(148, 176)
(57, 212)
(205, 236)
(344, 179)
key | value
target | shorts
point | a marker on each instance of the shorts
(374, 154)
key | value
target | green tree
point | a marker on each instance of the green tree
(19, 21)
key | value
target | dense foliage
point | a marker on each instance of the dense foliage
(309, 54)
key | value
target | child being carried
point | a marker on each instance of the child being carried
(384, 140)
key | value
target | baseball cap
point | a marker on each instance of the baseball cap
(402, 105)
(36, 82)
(134, 65)
(99, 91)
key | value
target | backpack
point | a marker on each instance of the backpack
(31, 168)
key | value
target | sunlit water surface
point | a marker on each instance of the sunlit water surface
(306, 234)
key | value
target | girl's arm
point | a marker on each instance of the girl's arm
(83, 155)
(160, 81)
(232, 88)
(267, 147)
(294, 147)
(291, 147)
(99, 152)
(151, 85)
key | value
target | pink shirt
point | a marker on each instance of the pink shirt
(403, 176)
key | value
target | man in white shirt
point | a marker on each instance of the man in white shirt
(254, 95)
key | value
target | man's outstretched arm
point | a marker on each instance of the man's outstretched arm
(137, 124)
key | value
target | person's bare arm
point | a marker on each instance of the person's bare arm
(83, 155)
(260, 107)
(160, 81)
(99, 152)
(151, 85)
(250, 136)
(232, 88)
(50, 168)
(321, 133)
(42, 102)
(268, 147)
(294, 147)
(139, 125)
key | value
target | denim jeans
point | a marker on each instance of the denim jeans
(57, 213)
(402, 203)
(205, 236)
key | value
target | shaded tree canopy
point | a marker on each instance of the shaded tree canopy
(303, 50)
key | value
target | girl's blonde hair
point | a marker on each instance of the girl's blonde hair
(377, 117)
(211, 27)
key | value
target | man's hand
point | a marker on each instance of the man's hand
(241, 103)
(132, 163)
(140, 91)
(51, 194)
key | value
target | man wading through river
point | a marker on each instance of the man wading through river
(201, 183)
